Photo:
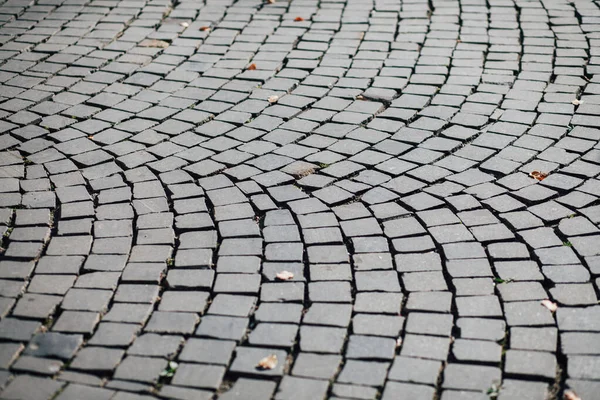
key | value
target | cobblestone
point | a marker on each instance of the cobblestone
(379, 194)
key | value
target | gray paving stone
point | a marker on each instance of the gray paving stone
(328, 314)
(251, 389)
(77, 322)
(75, 391)
(31, 387)
(114, 334)
(322, 339)
(199, 376)
(476, 350)
(367, 128)
(153, 345)
(529, 313)
(172, 322)
(429, 324)
(301, 388)
(53, 344)
(395, 390)
(369, 373)
(534, 390)
(369, 347)
(353, 391)
(230, 328)
(470, 377)
(425, 347)
(577, 319)
(141, 369)
(97, 359)
(531, 363)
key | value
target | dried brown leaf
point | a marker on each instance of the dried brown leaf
(271, 1)
(360, 97)
(571, 395)
(269, 362)
(205, 28)
(549, 305)
(540, 176)
(298, 19)
(154, 43)
(284, 275)
(251, 67)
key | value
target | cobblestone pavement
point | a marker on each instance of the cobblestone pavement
(350, 193)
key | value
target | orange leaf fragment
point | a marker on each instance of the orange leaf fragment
(540, 176)
(571, 395)
(549, 305)
(298, 19)
(252, 67)
(269, 362)
(284, 275)
(205, 28)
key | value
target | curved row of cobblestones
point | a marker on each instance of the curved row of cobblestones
(382, 195)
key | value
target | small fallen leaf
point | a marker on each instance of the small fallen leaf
(273, 99)
(298, 19)
(360, 97)
(268, 362)
(577, 102)
(549, 305)
(540, 176)
(91, 137)
(205, 28)
(154, 43)
(184, 24)
(571, 395)
(284, 275)
(251, 67)
(399, 342)
(271, 1)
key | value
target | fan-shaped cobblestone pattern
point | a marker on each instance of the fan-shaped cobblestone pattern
(189, 188)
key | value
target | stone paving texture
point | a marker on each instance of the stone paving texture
(189, 187)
